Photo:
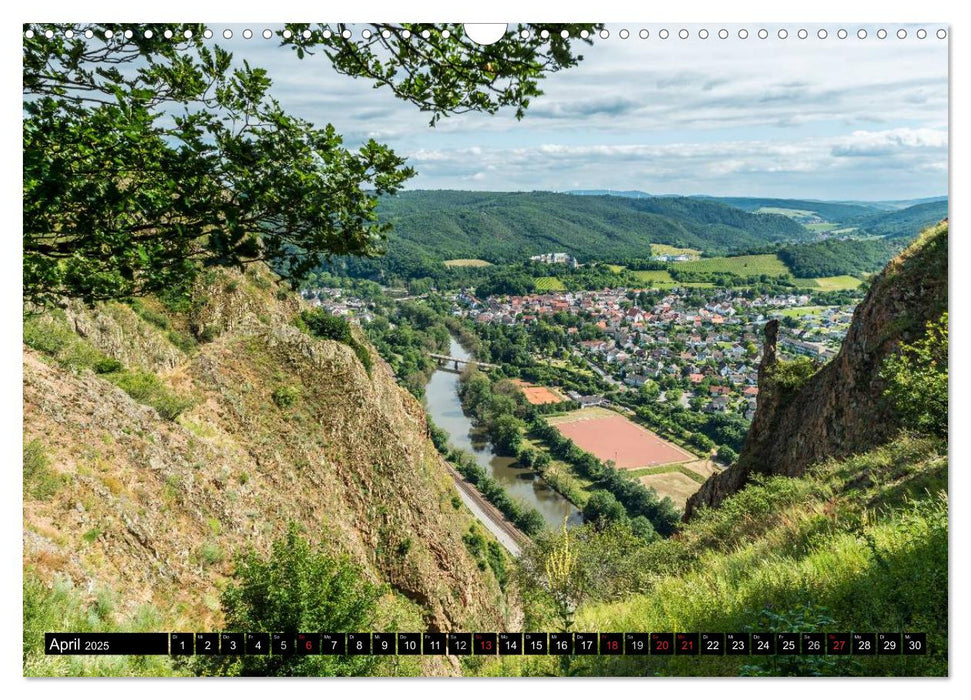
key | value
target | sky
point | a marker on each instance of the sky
(838, 119)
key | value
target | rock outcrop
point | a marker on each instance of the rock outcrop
(840, 409)
(153, 510)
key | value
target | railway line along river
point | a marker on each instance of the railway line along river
(445, 409)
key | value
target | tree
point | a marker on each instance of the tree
(649, 391)
(726, 455)
(148, 156)
(507, 433)
(916, 377)
(603, 508)
(297, 588)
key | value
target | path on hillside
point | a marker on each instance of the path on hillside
(509, 535)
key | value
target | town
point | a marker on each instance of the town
(703, 347)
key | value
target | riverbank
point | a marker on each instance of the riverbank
(521, 485)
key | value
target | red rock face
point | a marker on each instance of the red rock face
(839, 410)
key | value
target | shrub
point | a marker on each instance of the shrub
(107, 365)
(148, 389)
(603, 508)
(150, 315)
(790, 375)
(184, 342)
(296, 588)
(40, 481)
(210, 554)
(321, 324)
(45, 336)
(285, 396)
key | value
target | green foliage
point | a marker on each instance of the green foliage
(726, 455)
(285, 396)
(564, 569)
(99, 224)
(51, 335)
(602, 508)
(47, 336)
(404, 333)
(40, 481)
(211, 554)
(59, 606)
(916, 377)
(433, 226)
(789, 375)
(107, 366)
(321, 324)
(296, 588)
(148, 389)
(904, 223)
(449, 73)
(487, 553)
(833, 258)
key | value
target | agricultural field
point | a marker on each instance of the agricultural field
(792, 213)
(660, 278)
(548, 284)
(821, 228)
(615, 268)
(743, 265)
(833, 284)
(829, 284)
(611, 436)
(664, 249)
(467, 262)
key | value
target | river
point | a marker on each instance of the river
(443, 405)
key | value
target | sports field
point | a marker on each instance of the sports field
(538, 395)
(611, 436)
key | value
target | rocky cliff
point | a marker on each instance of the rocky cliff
(840, 409)
(245, 423)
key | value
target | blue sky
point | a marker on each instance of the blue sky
(816, 118)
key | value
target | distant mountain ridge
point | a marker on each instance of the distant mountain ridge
(510, 226)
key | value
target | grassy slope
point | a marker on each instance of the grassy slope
(856, 545)
(862, 541)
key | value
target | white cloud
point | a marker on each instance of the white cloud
(819, 118)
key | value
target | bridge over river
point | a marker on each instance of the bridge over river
(458, 363)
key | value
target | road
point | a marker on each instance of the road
(509, 535)
(603, 375)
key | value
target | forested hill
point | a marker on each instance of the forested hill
(508, 226)
(903, 223)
